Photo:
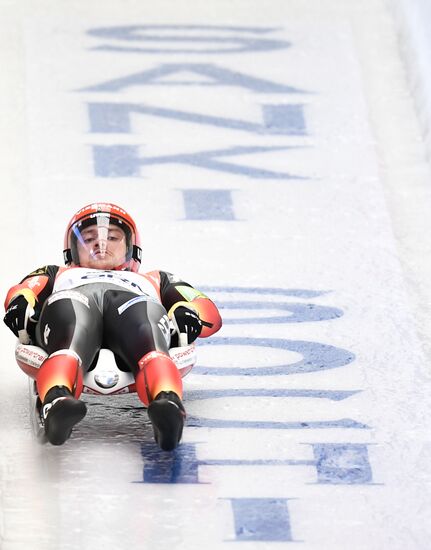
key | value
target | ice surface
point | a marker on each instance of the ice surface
(308, 413)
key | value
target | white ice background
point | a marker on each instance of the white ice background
(347, 232)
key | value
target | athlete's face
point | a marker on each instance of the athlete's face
(102, 247)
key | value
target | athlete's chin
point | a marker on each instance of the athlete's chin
(101, 264)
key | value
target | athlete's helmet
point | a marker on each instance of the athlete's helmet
(105, 217)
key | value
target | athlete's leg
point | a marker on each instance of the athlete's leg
(137, 331)
(70, 330)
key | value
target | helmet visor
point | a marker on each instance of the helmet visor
(101, 241)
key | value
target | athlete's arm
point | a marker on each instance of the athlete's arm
(24, 301)
(176, 294)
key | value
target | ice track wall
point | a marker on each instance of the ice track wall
(413, 20)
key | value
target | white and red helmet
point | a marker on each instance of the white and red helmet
(103, 215)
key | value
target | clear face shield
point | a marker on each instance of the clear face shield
(100, 242)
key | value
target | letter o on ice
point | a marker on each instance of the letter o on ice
(316, 357)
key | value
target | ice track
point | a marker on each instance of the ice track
(273, 156)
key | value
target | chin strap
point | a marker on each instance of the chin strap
(137, 253)
(67, 256)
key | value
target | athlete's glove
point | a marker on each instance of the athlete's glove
(18, 316)
(186, 326)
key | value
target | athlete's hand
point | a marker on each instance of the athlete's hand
(187, 326)
(18, 315)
